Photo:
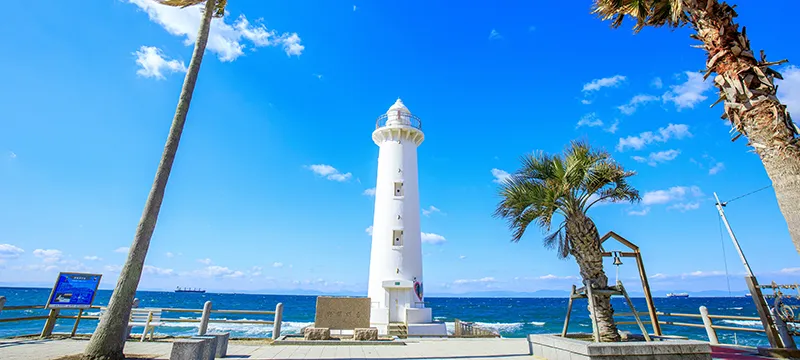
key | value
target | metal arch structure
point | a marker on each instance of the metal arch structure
(636, 254)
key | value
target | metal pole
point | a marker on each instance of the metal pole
(733, 237)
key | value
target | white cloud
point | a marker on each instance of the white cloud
(256, 271)
(586, 102)
(355, 8)
(675, 193)
(369, 192)
(555, 277)
(430, 210)
(500, 176)
(589, 120)
(613, 128)
(641, 212)
(704, 273)
(677, 131)
(598, 84)
(12, 155)
(431, 238)
(48, 256)
(8, 251)
(113, 268)
(318, 76)
(225, 39)
(789, 89)
(716, 168)
(494, 35)
(219, 271)
(329, 172)
(684, 207)
(123, 249)
(277, 264)
(484, 280)
(657, 83)
(92, 258)
(790, 270)
(205, 261)
(462, 257)
(657, 157)
(169, 254)
(369, 230)
(153, 63)
(152, 270)
(690, 93)
(641, 99)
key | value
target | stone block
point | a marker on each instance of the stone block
(222, 344)
(342, 313)
(365, 334)
(210, 350)
(316, 333)
(189, 349)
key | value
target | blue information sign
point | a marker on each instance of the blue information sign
(74, 291)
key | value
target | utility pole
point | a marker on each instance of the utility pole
(775, 340)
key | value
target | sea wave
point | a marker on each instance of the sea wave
(497, 327)
(236, 329)
(749, 323)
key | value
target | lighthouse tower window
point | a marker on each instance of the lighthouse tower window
(398, 188)
(397, 238)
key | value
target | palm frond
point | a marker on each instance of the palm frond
(219, 6)
(646, 12)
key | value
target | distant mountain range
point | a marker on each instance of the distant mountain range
(478, 294)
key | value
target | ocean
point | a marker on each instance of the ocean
(511, 317)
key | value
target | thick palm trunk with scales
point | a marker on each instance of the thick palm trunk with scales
(586, 249)
(747, 89)
(108, 340)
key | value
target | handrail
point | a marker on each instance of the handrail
(707, 323)
(203, 319)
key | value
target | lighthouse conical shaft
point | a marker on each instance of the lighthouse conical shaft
(395, 272)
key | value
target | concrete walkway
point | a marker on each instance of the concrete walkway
(494, 349)
(460, 349)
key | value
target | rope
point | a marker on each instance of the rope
(748, 194)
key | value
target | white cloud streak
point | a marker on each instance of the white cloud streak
(329, 172)
(154, 64)
(598, 84)
(677, 131)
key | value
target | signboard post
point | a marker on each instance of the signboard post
(71, 291)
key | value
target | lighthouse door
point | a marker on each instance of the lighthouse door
(395, 305)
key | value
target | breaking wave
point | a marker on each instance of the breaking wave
(236, 330)
(748, 323)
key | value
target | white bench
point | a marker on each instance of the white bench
(147, 318)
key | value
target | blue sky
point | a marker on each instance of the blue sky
(270, 188)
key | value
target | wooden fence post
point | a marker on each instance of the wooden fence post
(204, 319)
(712, 334)
(276, 324)
(77, 321)
(2, 303)
(50, 323)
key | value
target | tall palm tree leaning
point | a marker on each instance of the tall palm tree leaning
(744, 81)
(568, 186)
(108, 340)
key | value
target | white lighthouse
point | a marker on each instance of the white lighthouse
(395, 268)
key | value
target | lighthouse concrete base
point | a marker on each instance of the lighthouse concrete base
(429, 329)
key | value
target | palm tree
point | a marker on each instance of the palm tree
(745, 84)
(108, 340)
(568, 186)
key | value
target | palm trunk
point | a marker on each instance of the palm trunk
(746, 85)
(108, 340)
(586, 249)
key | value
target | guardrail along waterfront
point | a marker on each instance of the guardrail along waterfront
(204, 317)
(704, 320)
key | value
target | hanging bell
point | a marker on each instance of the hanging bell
(617, 260)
